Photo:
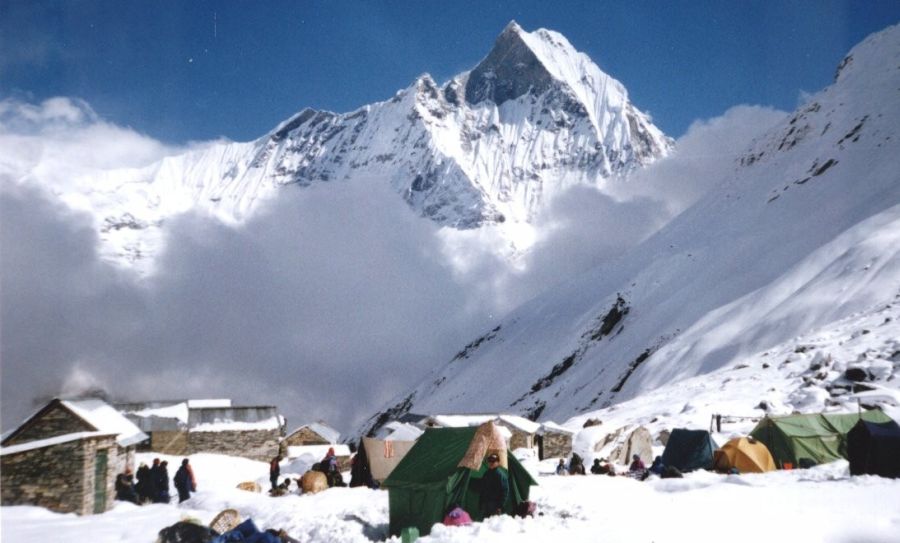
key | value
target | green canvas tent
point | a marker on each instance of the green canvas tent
(433, 476)
(806, 440)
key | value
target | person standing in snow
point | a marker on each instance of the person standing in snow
(275, 471)
(143, 483)
(153, 477)
(184, 481)
(162, 482)
(494, 489)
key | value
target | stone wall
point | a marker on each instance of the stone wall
(519, 439)
(557, 445)
(56, 421)
(174, 443)
(253, 444)
(59, 477)
(305, 436)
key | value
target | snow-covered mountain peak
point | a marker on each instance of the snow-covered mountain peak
(492, 146)
(869, 57)
(803, 233)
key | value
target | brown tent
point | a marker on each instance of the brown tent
(384, 455)
(745, 454)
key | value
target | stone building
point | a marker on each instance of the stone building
(253, 432)
(66, 457)
(313, 440)
(185, 427)
(316, 433)
(554, 441)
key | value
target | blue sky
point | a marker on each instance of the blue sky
(195, 70)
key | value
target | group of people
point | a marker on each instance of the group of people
(601, 466)
(152, 484)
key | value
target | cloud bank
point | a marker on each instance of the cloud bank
(328, 302)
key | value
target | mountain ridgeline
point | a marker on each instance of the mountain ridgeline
(490, 146)
(802, 236)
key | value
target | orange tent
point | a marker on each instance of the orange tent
(745, 454)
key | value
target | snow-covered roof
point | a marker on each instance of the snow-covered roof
(272, 423)
(553, 427)
(328, 433)
(105, 418)
(317, 451)
(459, 421)
(399, 431)
(212, 402)
(176, 411)
(41, 443)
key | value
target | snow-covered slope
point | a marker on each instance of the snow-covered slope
(804, 233)
(491, 146)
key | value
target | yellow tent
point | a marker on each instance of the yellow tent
(746, 454)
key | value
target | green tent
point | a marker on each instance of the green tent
(805, 440)
(429, 480)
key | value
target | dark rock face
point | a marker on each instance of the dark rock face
(510, 70)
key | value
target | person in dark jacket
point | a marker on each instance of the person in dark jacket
(153, 481)
(184, 481)
(576, 465)
(657, 467)
(125, 488)
(494, 489)
(600, 467)
(143, 483)
(160, 479)
(275, 471)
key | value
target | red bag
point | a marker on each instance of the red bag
(457, 517)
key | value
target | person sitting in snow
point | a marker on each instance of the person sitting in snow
(637, 469)
(184, 481)
(601, 467)
(657, 467)
(125, 488)
(329, 467)
(576, 465)
(636, 464)
(329, 463)
(561, 467)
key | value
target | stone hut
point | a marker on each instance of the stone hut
(313, 440)
(316, 433)
(166, 421)
(66, 457)
(554, 441)
(185, 427)
(253, 432)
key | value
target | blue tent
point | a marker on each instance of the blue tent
(873, 448)
(689, 450)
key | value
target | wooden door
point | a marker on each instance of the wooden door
(100, 464)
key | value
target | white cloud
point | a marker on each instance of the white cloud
(326, 303)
